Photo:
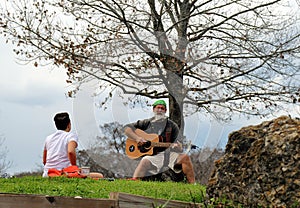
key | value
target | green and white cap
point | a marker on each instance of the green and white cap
(159, 102)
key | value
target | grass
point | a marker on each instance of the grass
(89, 188)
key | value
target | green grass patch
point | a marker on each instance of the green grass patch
(89, 188)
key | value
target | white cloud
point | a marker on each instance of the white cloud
(25, 84)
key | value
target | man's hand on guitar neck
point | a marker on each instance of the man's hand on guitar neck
(176, 146)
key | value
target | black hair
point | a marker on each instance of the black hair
(62, 121)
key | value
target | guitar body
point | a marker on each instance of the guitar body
(133, 151)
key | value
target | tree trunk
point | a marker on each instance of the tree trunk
(176, 114)
(174, 84)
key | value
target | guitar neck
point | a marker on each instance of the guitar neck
(160, 144)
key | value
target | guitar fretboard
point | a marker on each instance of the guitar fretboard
(160, 144)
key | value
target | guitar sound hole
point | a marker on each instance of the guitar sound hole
(131, 148)
(147, 144)
(145, 147)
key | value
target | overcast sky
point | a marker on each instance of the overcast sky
(30, 97)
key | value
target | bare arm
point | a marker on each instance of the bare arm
(132, 135)
(72, 152)
(44, 156)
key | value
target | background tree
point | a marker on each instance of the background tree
(204, 162)
(106, 154)
(112, 140)
(4, 164)
(217, 57)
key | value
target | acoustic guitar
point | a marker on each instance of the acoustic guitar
(134, 151)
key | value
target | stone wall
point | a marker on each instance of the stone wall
(261, 165)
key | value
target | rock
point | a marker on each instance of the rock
(261, 165)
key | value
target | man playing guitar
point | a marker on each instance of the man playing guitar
(168, 132)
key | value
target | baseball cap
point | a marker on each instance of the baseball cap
(159, 102)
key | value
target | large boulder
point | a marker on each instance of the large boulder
(261, 165)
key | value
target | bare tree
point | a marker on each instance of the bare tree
(4, 164)
(203, 168)
(217, 57)
(112, 139)
(108, 152)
